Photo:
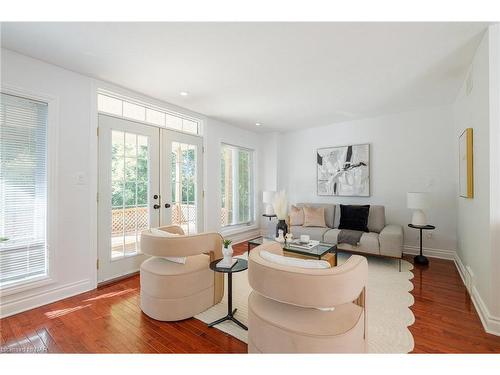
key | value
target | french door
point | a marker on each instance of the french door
(148, 177)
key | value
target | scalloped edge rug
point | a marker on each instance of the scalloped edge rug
(388, 305)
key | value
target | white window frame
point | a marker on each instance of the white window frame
(52, 189)
(235, 228)
(147, 105)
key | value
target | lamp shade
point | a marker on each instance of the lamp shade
(417, 201)
(268, 197)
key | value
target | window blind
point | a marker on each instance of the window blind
(23, 189)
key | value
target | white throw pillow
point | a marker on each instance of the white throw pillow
(296, 262)
(162, 233)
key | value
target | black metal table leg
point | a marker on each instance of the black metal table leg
(229, 295)
(230, 311)
(421, 259)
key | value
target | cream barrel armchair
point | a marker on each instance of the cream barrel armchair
(172, 291)
(290, 308)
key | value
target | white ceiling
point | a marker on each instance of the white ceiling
(283, 75)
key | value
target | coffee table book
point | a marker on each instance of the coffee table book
(224, 265)
(303, 245)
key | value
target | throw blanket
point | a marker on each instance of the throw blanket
(351, 237)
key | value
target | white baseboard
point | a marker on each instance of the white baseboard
(490, 323)
(460, 268)
(34, 300)
(243, 236)
(429, 252)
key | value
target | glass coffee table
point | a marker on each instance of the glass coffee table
(323, 251)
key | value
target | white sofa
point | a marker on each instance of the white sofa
(383, 239)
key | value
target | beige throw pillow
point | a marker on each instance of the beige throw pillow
(296, 215)
(314, 217)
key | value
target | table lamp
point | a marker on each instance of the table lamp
(268, 199)
(418, 202)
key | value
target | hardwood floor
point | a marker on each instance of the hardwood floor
(109, 320)
(445, 318)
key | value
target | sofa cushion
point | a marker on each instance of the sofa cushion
(329, 211)
(296, 215)
(391, 241)
(314, 217)
(369, 243)
(376, 218)
(315, 233)
(354, 217)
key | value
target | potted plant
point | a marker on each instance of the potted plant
(227, 251)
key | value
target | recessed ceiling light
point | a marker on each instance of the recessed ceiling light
(183, 93)
(258, 124)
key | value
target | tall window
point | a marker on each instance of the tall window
(236, 185)
(23, 189)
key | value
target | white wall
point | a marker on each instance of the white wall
(411, 151)
(494, 72)
(471, 110)
(268, 168)
(478, 223)
(74, 265)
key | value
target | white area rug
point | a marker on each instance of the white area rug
(388, 306)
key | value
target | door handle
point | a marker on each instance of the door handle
(156, 206)
(167, 205)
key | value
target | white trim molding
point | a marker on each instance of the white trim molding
(243, 236)
(39, 299)
(490, 323)
(430, 252)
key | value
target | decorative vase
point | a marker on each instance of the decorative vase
(280, 238)
(227, 253)
(281, 225)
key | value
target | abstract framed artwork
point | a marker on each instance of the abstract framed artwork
(344, 171)
(465, 170)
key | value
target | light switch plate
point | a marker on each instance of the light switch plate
(80, 178)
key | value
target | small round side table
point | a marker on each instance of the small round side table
(241, 265)
(421, 259)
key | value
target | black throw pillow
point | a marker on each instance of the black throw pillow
(354, 217)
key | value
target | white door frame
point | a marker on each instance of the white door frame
(93, 179)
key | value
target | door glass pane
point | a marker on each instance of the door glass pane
(155, 117)
(110, 105)
(134, 111)
(129, 198)
(173, 122)
(183, 180)
(190, 126)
